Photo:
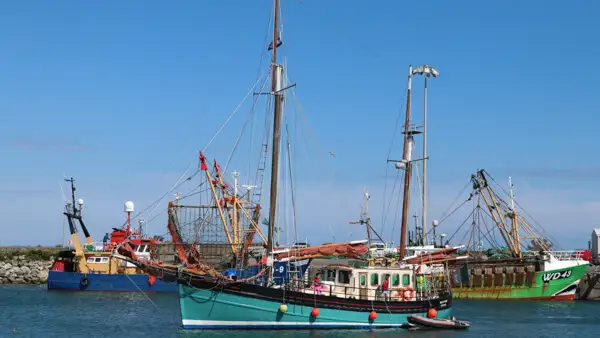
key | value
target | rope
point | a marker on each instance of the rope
(244, 126)
(292, 188)
(145, 295)
(231, 115)
(536, 223)
(457, 197)
(157, 202)
(400, 114)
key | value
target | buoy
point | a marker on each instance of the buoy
(409, 293)
(283, 308)
(315, 312)
(431, 313)
(151, 280)
(372, 315)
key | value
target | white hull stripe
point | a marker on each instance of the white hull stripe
(572, 288)
(190, 323)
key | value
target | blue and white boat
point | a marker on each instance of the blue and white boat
(92, 267)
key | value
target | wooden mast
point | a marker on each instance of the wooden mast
(407, 171)
(276, 141)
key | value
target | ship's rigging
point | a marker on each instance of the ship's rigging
(497, 221)
(225, 207)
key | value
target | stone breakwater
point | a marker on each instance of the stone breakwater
(20, 270)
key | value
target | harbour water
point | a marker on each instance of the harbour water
(32, 311)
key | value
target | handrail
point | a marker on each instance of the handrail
(563, 255)
(436, 286)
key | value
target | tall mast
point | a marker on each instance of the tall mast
(426, 71)
(514, 219)
(276, 138)
(407, 171)
(424, 206)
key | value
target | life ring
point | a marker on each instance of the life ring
(409, 293)
(84, 283)
(399, 294)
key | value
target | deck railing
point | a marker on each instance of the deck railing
(436, 287)
(566, 255)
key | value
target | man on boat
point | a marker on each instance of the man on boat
(385, 288)
(106, 240)
(317, 283)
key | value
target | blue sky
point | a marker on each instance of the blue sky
(121, 95)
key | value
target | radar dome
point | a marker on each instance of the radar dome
(80, 202)
(435, 223)
(129, 206)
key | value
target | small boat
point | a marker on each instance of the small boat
(92, 266)
(437, 323)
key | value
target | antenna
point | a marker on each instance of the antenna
(129, 208)
(512, 195)
(235, 175)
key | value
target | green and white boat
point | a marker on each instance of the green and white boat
(524, 270)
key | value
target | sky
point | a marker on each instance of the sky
(122, 95)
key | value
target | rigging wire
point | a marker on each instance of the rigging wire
(535, 223)
(231, 115)
(462, 224)
(157, 202)
(244, 127)
(390, 199)
(292, 186)
(398, 118)
(179, 182)
(456, 199)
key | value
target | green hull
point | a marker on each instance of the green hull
(208, 309)
(559, 284)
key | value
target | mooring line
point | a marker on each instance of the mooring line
(145, 295)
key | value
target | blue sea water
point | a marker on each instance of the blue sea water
(32, 311)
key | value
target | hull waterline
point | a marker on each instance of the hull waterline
(239, 309)
(76, 281)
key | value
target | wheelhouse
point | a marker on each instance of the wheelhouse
(366, 283)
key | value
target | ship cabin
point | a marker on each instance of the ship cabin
(364, 283)
(94, 258)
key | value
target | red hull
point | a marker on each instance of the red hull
(560, 298)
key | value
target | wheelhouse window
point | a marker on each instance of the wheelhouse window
(343, 277)
(363, 280)
(97, 260)
(405, 280)
(330, 276)
(395, 279)
(374, 279)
